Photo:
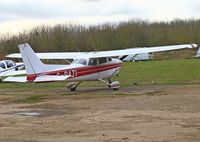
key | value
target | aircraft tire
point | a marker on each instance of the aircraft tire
(73, 89)
(115, 89)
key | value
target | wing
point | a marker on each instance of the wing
(112, 53)
(52, 55)
(135, 51)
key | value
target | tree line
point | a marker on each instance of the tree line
(109, 36)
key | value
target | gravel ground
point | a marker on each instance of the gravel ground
(160, 113)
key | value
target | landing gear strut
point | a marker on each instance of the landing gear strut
(72, 86)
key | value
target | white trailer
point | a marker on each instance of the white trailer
(198, 53)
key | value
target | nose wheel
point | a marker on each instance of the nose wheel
(115, 85)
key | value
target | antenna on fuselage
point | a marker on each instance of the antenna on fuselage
(77, 49)
(94, 48)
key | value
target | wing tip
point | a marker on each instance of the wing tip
(194, 45)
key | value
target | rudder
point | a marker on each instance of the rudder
(32, 63)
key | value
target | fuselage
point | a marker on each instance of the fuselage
(85, 69)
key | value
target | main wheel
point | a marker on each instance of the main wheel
(71, 86)
(73, 89)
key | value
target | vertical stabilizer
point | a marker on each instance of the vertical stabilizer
(32, 63)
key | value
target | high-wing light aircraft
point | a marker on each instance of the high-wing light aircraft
(8, 67)
(86, 66)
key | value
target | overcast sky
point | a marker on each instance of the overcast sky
(19, 15)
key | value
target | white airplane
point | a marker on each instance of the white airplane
(87, 66)
(198, 53)
(8, 68)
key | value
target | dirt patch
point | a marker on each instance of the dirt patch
(161, 113)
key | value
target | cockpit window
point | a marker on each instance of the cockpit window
(102, 60)
(9, 64)
(109, 59)
(80, 61)
(2, 65)
(74, 61)
(93, 62)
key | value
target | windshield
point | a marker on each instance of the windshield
(80, 61)
(2, 65)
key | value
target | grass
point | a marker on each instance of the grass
(181, 71)
(161, 72)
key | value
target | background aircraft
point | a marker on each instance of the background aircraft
(198, 53)
(86, 66)
(8, 68)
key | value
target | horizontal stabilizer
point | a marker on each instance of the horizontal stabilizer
(15, 79)
(38, 79)
(49, 78)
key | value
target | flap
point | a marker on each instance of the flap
(49, 78)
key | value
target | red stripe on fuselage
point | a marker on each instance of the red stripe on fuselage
(77, 72)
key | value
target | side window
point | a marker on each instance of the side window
(109, 59)
(102, 60)
(2, 65)
(93, 62)
(14, 64)
(9, 64)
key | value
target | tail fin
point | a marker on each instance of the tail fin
(35, 68)
(32, 63)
